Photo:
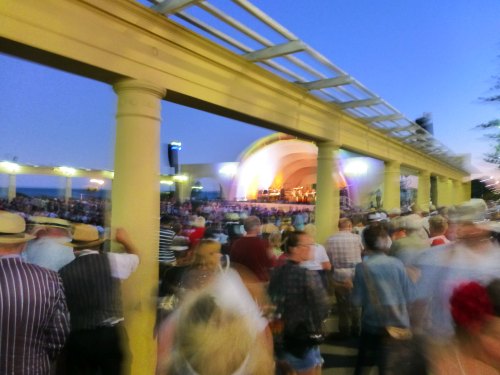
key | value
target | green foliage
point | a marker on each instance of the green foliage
(494, 125)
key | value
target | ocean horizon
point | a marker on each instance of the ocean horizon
(36, 192)
(45, 192)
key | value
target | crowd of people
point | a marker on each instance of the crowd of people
(246, 290)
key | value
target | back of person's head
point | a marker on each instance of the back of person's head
(345, 224)
(376, 238)
(251, 223)
(275, 239)
(219, 331)
(207, 254)
(167, 220)
(310, 229)
(177, 227)
(292, 240)
(437, 224)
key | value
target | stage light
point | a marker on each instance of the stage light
(228, 170)
(166, 182)
(355, 167)
(176, 145)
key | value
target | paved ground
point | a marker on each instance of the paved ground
(340, 355)
(340, 358)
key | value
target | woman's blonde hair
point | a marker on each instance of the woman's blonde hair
(211, 340)
(275, 239)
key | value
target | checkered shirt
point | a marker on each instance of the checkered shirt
(344, 250)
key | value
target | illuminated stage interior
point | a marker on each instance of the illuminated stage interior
(281, 168)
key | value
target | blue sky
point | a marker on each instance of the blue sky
(420, 56)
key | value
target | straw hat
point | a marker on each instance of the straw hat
(475, 211)
(374, 216)
(37, 223)
(12, 228)
(85, 235)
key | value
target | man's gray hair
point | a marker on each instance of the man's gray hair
(250, 223)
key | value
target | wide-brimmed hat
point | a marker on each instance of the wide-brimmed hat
(374, 216)
(474, 211)
(85, 235)
(12, 228)
(38, 223)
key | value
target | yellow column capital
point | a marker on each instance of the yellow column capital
(392, 164)
(135, 84)
(327, 149)
(424, 173)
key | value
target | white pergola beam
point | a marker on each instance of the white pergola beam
(326, 83)
(276, 51)
(359, 103)
(393, 117)
(399, 129)
(172, 6)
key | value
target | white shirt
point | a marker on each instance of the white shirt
(122, 264)
(319, 257)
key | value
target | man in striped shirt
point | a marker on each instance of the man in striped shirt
(34, 318)
(166, 256)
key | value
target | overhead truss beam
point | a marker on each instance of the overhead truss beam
(326, 83)
(360, 103)
(172, 6)
(276, 51)
(393, 117)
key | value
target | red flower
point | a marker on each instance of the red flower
(470, 306)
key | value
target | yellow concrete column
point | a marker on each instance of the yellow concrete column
(391, 197)
(456, 192)
(424, 190)
(444, 191)
(466, 191)
(136, 207)
(68, 189)
(327, 208)
(11, 193)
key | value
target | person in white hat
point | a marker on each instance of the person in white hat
(48, 249)
(97, 341)
(34, 319)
